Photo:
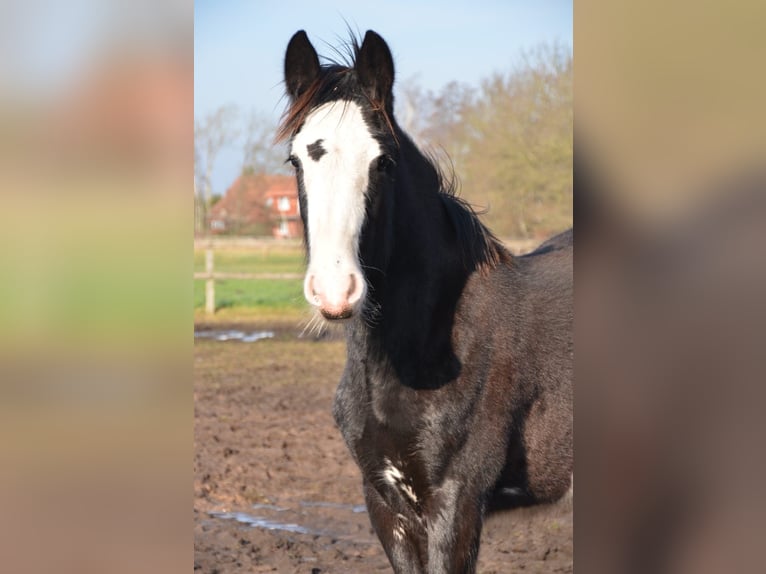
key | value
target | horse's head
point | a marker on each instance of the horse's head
(343, 148)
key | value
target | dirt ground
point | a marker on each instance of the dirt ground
(275, 489)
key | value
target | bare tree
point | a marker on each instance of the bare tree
(215, 132)
(435, 121)
(509, 140)
(519, 137)
(199, 178)
(259, 154)
(259, 157)
(413, 108)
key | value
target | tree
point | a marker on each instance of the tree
(215, 132)
(521, 145)
(199, 175)
(510, 142)
(435, 121)
(259, 157)
(259, 154)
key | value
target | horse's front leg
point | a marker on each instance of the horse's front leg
(455, 515)
(400, 533)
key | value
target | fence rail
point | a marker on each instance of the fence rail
(210, 275)
(264, 244)
(235, 275)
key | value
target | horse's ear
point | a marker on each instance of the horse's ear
(375, 68)
(301, 65)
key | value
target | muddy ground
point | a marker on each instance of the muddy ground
(275, 489)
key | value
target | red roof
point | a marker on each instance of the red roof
(244, 207)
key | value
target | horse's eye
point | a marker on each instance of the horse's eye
(384, 163)
(295, 161)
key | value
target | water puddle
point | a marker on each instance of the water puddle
(234, 335)
(355, 508)
(259, 522)
(273, 507)
(315, 518)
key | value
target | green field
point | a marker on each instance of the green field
(272, 299)
(253, 297)
(274, 260)
(270, 294)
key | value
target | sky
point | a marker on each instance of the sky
(239, 45)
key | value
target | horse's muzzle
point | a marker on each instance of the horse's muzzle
(336, 298)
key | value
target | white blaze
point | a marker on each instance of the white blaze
(335, 187)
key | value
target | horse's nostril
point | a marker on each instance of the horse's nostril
(312, 290)
(352, 285)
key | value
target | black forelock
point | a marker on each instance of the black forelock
(337, 81)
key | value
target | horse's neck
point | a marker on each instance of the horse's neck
(414, 297)
(422, 227)
(420, 258)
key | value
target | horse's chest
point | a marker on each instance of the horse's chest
(390, 457)
(392, 423)
(401, 437)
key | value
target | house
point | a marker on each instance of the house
(285, 211)
(258, 204)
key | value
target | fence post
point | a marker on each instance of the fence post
(209, 283)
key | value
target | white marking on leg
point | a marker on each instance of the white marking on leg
(407, 489)
(399, 527)
(394, 477)
(391, 474)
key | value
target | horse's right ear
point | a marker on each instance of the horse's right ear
(301, 65)
(375, 68)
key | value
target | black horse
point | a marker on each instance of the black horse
(457, 391)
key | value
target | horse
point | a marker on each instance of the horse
(456, 396)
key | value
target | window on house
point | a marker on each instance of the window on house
(283, 229)
(284, 204)
(269, 201)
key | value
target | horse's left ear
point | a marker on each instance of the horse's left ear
(301, 65)
(375, 68)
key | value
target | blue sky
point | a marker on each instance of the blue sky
(239, 45)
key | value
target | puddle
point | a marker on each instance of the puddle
(260, 522)
(269, 507)
(355, 508)
(234, 335)
(325, 518)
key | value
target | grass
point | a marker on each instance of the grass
(264, 299)
(254, 298)
(269, 293)
(273, 260)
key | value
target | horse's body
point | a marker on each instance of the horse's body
(457, 392)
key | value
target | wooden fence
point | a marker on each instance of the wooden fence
(210, 276)
(265, 245)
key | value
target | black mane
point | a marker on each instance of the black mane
(480, 246)
(337, 80)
